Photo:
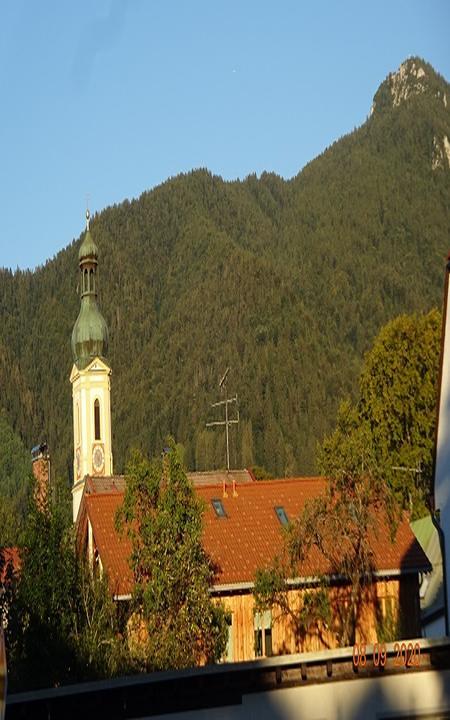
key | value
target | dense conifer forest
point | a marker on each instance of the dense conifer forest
(285, 281)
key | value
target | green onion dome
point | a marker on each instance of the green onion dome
(89, 334)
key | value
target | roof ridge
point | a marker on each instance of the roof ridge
(224, 471)
(264, 483)
(90, 496)
(285, 480)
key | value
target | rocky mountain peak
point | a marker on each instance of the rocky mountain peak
(409, 79)
(414, 77)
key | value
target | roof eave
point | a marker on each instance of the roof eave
(311, 580)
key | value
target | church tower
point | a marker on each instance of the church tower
(90, 378)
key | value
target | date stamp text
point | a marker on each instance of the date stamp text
(405, 655)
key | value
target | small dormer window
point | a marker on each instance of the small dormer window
(97, 420)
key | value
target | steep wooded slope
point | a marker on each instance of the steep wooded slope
(287, 282)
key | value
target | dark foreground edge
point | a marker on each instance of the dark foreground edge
(211, 686)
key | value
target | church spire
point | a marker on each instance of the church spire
(90, 332)
(90, 378)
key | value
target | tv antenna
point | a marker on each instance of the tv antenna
(227, 422)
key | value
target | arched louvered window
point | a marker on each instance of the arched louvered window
(97, 420)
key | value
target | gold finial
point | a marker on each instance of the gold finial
(88, 217)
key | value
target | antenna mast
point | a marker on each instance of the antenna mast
(227, 422)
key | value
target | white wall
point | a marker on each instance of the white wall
(418, 692)
(442, 470)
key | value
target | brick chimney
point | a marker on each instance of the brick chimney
(41, 470)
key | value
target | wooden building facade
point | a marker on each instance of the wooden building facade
(243, 532)
(253, 635)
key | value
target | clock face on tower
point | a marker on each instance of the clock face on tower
(98, 459)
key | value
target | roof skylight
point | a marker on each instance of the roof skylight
(219, 508)
(281, 515)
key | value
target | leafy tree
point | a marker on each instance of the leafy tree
(177, 622)
(336, 527)
(61, 621)
(99, 627)
(396, 411)
(41, 614)
(273, 592)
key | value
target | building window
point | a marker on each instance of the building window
(97, 420)
(263, 634)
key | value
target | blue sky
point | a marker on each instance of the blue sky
(109, 98)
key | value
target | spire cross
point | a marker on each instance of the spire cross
(88, 214)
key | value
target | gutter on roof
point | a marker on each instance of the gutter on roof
(402, 571)
(232, 586)
(311, 580)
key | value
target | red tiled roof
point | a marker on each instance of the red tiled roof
(114, 549)
(9, 555)
(250, 537)
(251, 534)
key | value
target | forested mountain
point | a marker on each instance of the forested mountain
(286, 282)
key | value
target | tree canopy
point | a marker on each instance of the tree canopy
(61, 623)
(391, 426)
(337, 525)
(177, 622)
